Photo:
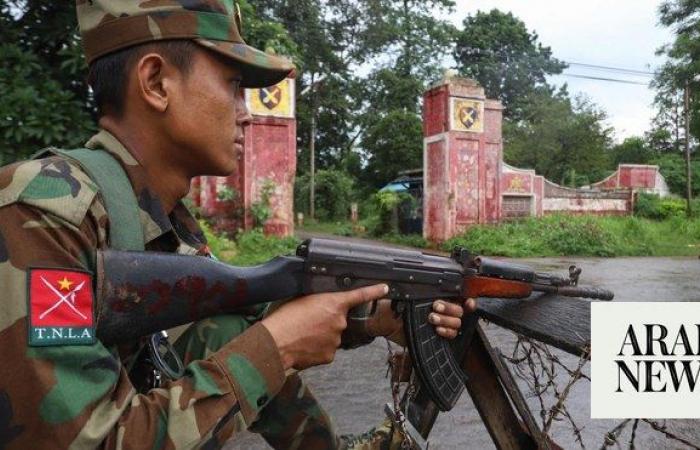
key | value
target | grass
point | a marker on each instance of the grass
(343, 228)
(250, 248)
(561, 235)
(556, 235)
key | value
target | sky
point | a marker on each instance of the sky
(615, 33)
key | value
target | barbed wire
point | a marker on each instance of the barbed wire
(534, 364)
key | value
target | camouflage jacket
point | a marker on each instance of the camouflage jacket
(80, 396)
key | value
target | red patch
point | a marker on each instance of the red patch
(60, 298)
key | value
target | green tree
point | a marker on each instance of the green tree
(682, 67)
(565, 141)
(497, 50)
(679, 73)
(46, 100)
(396, 141)
(335, 190)
(322, 54)
(412, 43)
(672, 167)
(633, 150)
(668, 125)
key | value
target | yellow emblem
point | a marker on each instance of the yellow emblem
(516, 185)
(467, 115)
(64, 284)
(277, 100)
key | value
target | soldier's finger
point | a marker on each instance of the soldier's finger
(447, 308)
(447, 333)
(364, 294)
(445, 321)
(470, 306)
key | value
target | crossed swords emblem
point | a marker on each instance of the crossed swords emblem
(68, 299)
(468, 116)
(270, 97)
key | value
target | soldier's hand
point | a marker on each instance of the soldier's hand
(446, 317)
(307, 330)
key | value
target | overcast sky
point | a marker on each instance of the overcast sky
(617, 33)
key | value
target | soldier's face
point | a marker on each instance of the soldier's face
(207, 116)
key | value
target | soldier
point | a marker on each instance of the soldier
(167, 78)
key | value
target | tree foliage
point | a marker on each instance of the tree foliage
(672, 167)
(498, 51)
(565, 141)
(335, 191)
(374, 59)
(681, 69)
(633, 150)
(45, 99)
(397, 143)
(412, 42)
(679, 72)
(320, 45)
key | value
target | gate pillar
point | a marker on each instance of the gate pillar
(462, 157)
(264, 180)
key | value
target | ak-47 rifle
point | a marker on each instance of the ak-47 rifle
(142, 293)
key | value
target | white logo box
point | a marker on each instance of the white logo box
(610, 334)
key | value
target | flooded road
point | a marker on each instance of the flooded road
(353, 389)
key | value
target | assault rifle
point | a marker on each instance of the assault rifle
(145, 292)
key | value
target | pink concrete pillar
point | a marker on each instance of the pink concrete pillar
(462, 157)
(266, 169)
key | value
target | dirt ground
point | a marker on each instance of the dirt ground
(354, 389)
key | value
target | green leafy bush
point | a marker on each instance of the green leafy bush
(672, 167)
(567, 235)
(249, 248)
(334, 192)
(255, 248)
(560, 235)
(36, 110)
(651, 206)
(381, 212)
(260, 210)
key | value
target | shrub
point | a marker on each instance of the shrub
(255, 248)
(260, 210)
(249, 248)
(651, 206)
(584, 235)
(381, 212)
(334, 192)
(547, 236)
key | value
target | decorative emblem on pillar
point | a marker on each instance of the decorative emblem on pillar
(277, 100)
(270, 97)
(466, 115)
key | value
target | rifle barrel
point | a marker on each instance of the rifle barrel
(575, 291)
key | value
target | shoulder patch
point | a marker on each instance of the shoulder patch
(52, 184)
(61, 307)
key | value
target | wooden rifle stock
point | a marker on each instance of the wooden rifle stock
(481, 286)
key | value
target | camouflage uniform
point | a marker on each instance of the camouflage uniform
(80, 396)
(52, 216)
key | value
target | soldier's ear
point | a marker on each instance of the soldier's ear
(153, 80)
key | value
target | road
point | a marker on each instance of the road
(354, 388)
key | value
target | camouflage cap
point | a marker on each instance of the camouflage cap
(110, 25)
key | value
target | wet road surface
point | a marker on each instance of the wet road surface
(354, 389)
